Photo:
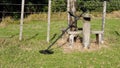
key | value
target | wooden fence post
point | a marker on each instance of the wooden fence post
(21, 21)
(72, 19)
(49, 15)
(103, 19)
(86, 31)
(74, 12)
(68, 9)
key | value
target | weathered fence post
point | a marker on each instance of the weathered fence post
(103, 19)
(86, 30)
(68, 9)
(49, 15)
(73, 10)
(21, 21)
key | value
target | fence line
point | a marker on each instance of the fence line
(5, 35)
(20, 4)
(17, 12)
(53, 19)
(7, 4)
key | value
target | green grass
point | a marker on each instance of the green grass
(25, 54)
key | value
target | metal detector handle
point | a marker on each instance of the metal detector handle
(76, 17)
(70, 13)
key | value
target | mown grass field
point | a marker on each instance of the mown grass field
(25, 54)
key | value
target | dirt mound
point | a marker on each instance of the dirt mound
(77, 46)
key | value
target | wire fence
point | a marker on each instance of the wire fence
(35, 22)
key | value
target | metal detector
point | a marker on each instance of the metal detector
(48, 51)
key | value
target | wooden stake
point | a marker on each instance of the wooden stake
(49, 15)
(103, 19)
(21, 21)
(68, 9)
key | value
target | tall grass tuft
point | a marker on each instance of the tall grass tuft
(39, 16)
(8, 20)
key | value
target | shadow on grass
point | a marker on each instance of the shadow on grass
(32, 37)
(53, 37)
(117, 33)
(14, 35)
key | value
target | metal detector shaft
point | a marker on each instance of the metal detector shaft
(62, 33)
(58, 37)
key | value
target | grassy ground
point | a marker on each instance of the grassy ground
(25, 54)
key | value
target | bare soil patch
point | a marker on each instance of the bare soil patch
(77, 46)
